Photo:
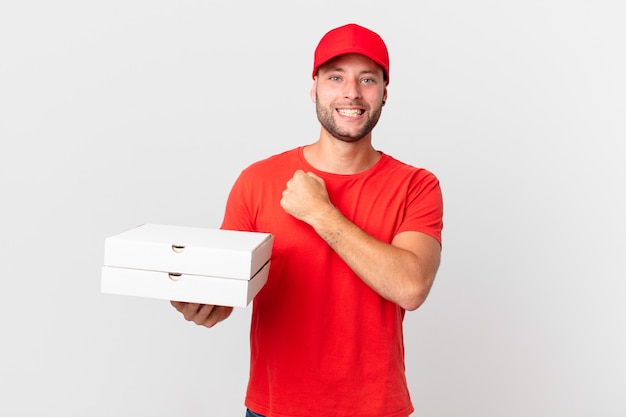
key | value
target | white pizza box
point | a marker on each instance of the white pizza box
(183, 287)
(182, 263)
(189, 250)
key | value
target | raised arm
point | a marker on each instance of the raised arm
(402, 272)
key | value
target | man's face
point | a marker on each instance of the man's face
(348, 93)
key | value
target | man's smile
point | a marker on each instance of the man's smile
(350, 112)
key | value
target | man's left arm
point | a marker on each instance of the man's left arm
(402, 272)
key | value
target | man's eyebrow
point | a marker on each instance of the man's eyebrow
(335, 68)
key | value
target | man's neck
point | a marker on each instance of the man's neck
(334, 156)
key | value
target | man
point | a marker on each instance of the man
(356, 243)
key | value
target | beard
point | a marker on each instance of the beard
(326, 119)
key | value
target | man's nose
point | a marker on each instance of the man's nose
(352, 89)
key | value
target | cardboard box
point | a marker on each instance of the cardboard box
(208, 266)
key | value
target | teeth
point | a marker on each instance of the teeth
(349, 112)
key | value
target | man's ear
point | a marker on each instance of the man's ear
(313, 89)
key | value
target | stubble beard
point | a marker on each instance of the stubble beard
(326, 119)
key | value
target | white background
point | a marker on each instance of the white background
(118, 113)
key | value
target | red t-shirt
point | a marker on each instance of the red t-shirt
(322, 342)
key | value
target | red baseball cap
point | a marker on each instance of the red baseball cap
(352, 39)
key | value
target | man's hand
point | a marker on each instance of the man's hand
(202, 314)
(305, 197)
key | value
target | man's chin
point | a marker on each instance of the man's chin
(346, 138)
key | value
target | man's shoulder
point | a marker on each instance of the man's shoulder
(405, 168)
(275, 162)
(290, 154)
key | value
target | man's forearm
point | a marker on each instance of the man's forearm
(396, 273)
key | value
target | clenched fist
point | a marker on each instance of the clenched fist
(305, 197)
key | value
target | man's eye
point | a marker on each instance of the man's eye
(334, 78)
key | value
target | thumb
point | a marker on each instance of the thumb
(313, 175)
